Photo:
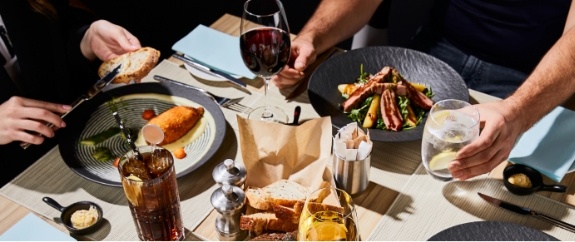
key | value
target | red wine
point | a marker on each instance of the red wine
(265, 50)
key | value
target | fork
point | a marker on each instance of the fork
(229, 103)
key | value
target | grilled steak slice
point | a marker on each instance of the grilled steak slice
(365, 91)
(416, 97)
(390, 111)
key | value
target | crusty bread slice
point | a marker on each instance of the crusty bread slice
(314, 207)
(135, 65)
(288, 236)
(288, 213)
(259, 222)
(282, 192)
(280, 203)
(257, 198)
(285, 192)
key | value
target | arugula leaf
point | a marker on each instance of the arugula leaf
(358, 114)
(363, 76)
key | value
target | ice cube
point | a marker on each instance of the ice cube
(159, 162)
(137, 168)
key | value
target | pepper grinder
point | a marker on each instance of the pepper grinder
(228, 172)
(229, 201)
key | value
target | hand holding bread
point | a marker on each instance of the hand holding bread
(135, 65)
(105, 40)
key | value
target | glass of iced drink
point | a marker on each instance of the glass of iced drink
(152, 191)
(451, 125)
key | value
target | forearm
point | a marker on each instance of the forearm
(337, 20)
(551, 83)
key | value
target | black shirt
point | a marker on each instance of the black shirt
(52, 68)
(512, 33)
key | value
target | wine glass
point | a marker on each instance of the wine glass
(328, 214)
(265, 48)
(451, 125)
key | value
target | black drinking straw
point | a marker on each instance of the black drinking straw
(128, 136)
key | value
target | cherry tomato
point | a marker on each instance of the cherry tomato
(180, 153)
(148, 114)
(116, 162)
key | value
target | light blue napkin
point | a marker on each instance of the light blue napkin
(32, 228)
(548, 146)
(215, 49)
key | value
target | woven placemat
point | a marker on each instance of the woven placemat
(49, 176)
(426, 207)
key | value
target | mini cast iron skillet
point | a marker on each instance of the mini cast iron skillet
(68, 211)
(535, 177)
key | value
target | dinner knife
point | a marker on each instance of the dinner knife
(527, 211)
(204, 68)
(95, 89)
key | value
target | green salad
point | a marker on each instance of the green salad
(368, 112)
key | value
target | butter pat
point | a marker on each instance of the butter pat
(520, 180)
(84, 218)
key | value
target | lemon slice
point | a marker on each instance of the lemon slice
(440, 161)
(441, 116)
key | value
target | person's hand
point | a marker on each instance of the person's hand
(105, 40)
(501, 128)
(303, 54)
(20, 115)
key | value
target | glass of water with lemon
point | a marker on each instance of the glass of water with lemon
(450, 126)
(328, 215)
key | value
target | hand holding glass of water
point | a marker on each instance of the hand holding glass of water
(265, 48)
(450, 126)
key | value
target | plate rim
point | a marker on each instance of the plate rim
(68, 152)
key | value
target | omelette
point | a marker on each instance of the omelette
(177, 121)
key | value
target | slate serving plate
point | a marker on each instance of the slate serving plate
(491, 231)
(413, 65)
(95, 116)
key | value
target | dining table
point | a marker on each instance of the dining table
(401, 202)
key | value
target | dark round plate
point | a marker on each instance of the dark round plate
(415, 66)
(491, 231)
(95, 116)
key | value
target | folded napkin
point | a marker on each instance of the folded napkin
(548, 146)
(351, 143)
(32, 228)
(214, 49)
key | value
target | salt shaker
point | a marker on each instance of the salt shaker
(228, 172)
(229, 201)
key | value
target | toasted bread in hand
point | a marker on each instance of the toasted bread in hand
(135, 65)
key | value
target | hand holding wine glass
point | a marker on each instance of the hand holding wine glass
(265, 47)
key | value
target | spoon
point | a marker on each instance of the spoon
(533, 175)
